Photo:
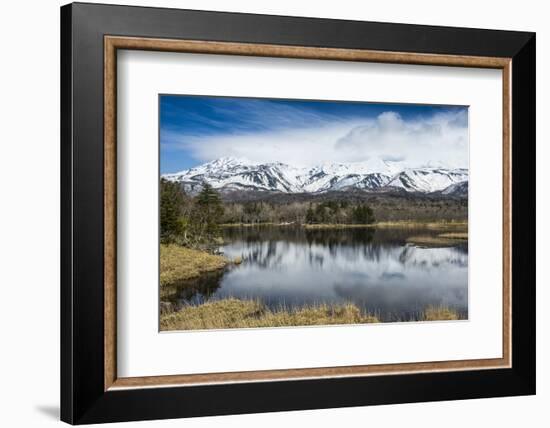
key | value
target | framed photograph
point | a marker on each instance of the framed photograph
(265, 213)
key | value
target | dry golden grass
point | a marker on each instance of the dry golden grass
(440, 313)
(430, 241)
(441, 240)
(437, 225)
(454, 225)
(337, 226)
(454, 235)
(251, 224)
(444, 224)
(180, 263)
(235, 313)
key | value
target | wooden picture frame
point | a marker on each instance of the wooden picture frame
(91, 390)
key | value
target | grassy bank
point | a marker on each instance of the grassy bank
(337, 226)
(454, 235)
(255, 224)
(235, 313)
(436, 225)
(441, 240)
(179, 263)
(455, 225)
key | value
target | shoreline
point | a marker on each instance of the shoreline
(440, 241)
(178, 264)
(249, 313)
(444, 224)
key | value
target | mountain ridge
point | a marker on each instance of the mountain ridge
(231, 174)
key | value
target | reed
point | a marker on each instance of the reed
(440, 313)
(237, 313)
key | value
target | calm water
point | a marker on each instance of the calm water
(375, 269)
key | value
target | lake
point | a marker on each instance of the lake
(376, 269)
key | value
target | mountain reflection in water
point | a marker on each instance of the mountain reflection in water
(374, 268)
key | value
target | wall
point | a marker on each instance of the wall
(29, 230)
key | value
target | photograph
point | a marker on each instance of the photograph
(287, 213)
(277, 210)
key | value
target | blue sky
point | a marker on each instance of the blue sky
(197, 129)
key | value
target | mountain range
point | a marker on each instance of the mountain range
(374, 175)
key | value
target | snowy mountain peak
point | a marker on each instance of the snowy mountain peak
(230, 160)
(427, 180)
(230, 173)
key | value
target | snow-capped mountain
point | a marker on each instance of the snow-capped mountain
(230, 174)
(427, 180)
(457, 189)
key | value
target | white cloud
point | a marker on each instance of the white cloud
(439, 139)
(443, 138)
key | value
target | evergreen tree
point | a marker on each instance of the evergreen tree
(208, 211)
(362, 214)
(171, 202)
(320, 213)
(310, 215)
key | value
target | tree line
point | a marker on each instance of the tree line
(325, 212)
(347, 209)
(194, 221)
(186, 220)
